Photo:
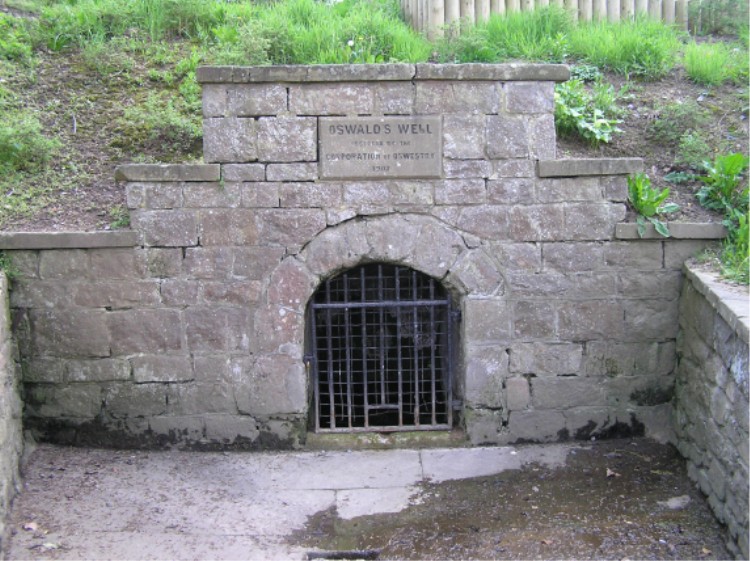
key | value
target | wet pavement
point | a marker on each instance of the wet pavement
(601, 500)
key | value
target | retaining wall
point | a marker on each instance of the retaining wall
(190, 330)
(11, 439)
(711, 397)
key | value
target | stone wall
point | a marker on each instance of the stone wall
(11, 440)
(193, 331)
(711, 397)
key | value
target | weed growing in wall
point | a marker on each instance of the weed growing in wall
(649, 203)
(588, 113)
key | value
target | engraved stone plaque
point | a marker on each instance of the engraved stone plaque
(373, 147)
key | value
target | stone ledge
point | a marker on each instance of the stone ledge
(496, 72)
(730, 301)
(67, 240)
(382, 72)
(168, 172)
(589, 166)
(677, 230)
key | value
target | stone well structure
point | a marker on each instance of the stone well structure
(191, 328)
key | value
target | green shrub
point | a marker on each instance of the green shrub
(590, 114)
(648, 202)
(735, 262)
(676, 120)
(23, 147)
(643, 47)
(712, 64)
(15, 41)
(722, 184)
(692, 150)
(161, 127)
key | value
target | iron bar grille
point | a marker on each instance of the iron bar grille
(381, 339)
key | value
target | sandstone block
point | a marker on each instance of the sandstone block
(43, 370)
(478, 273)
(307, 171)
(394, 98)
(564, 392)
(515, 257)
(64, 264)
(128, 400)
(116, 295)
(536, 223)
(534, 320)
(256, 262)
(180, 292)
(70, 333)
(384, 194)
(507, 137)
(546, 359)
(215, 368)
(484, 426)
(331, 99)
(554, 285)
(593, 319)
(151, 173)
(486, 368)
(167, 228)
(145, 331)
(486, 321)
(518, 394)
(207, 195)
(251, 100)
(306, 195)
(212, 329)
(99, 370)
(542, 137)
(116, 264)
(75, 400)
(42, 294)
(464, 136)
(208, 262)
(229, 429)
(276, 327)
(568, 190)
(201, 399)
(239, 293)
(290, 285)
(489, 222)
(666, 284)
(510, 191)
(535, 426)
(466, 169)
(530, 97)
(177, 428)
(512, 168)
(232, 140)
(289, 227)
(612, 358)
(649, 320)
(243, 172)
(639, 256)
(460, 191)
(260, 195)
(287, 139)
(162, 368)
(214, 100)
(276, 385)
(592, 221)
(228, 227)
(479, 98)
(163, 262)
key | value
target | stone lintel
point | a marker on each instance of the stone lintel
(382, 72)
(67, 240)
(589, 166)
(730, 301)
(677, 230)
(168, 172)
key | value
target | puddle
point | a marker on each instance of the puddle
(613, 500)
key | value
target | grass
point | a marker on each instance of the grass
(712, 64)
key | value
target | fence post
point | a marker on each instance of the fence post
(681, 14)
(627, 9)
(467, 11)
(482, 10)
(599, 12)
(542, 3)
(641, 7)
(654, 9)
(452, 14)
(513, 6)
(558, 3)
(613, 11)
(572, 7)
(435, 27)
(497, 7)
(668, 10)
(587, 9)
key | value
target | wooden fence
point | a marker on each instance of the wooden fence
(433, 16)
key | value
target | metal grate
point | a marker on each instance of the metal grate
(381, 350)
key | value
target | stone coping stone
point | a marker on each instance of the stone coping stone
(168, 172)
(677, 231)
(67, 240)
(589, 166)
(729, 300)
(382, 72)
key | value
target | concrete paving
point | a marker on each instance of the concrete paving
(103, 504)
